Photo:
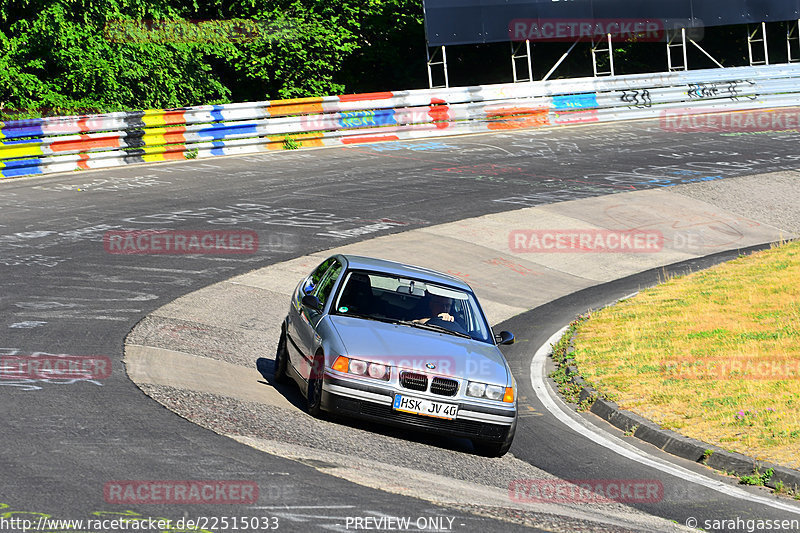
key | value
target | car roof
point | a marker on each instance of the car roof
(359, 262)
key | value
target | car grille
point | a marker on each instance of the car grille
(444, 386)
(414, 381)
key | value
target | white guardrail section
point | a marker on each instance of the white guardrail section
(57, 144)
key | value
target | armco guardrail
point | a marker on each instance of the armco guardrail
(57, 144)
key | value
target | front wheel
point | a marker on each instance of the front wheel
(495, 448)
(314, 396)
(281, 358)
(491, 448)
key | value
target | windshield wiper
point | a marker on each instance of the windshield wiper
(433, 327)
(369, 317)
(429, 327)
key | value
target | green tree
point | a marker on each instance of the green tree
(80, 54)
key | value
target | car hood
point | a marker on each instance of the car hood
(411, 348)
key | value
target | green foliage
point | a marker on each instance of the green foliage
(757, 478)
(83, 56)
(586, 403)
(631, 430)
(392, 47)
(563, 379)
(290, 144)
(562, 376)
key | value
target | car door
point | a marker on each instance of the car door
(297, 322)
(309, 318)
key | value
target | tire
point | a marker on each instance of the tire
(281, 360)
(491, 448)
(314, 395)
(495, 448)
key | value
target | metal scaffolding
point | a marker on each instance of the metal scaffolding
(677, 39)
(516, 56)
(560, 60)
(755, 37)
(432, 63)
(606, 50)
(792, 34)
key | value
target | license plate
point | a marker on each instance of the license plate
(418, 406)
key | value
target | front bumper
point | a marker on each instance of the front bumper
(373, 402)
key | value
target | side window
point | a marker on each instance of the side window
(324, 287)
(316, 276)
(470, 319)
(461, 314)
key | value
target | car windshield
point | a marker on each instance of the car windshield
(412, 302)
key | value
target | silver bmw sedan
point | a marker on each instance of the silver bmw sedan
(400, 345)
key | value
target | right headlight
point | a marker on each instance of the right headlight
(491, 392)
(362, 368)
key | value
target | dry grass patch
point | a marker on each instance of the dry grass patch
(714, 355)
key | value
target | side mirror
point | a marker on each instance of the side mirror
(505, 337)
(312, 302)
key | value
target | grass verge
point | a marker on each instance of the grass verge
(714, 355)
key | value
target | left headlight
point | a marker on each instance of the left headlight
(362, 368)
(491, 392)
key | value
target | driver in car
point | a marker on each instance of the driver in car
(438, 307)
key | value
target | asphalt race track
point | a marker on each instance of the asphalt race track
(65, 440)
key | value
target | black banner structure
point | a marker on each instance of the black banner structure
(449, 22)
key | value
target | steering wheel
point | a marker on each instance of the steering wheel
(452, 326)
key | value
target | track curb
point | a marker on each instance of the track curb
(689, 448)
